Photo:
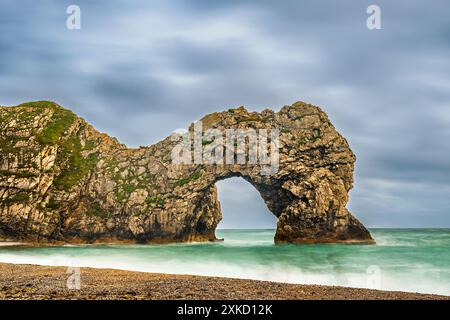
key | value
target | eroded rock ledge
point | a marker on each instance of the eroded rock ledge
(61, 180)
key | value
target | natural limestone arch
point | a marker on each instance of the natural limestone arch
(295, 204)
(64, 181)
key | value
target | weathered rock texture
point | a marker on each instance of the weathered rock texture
(61, 180)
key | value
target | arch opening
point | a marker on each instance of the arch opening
(242, 206)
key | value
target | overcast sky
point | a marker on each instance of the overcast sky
(140, 69)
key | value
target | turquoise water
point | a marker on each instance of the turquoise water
(415, 260)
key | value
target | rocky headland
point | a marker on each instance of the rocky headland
(63, 181)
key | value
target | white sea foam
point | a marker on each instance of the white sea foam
(274, 272)
(10, 244)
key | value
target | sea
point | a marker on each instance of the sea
(413, 260)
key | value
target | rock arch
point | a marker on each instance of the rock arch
(309, 209)
(64, 181)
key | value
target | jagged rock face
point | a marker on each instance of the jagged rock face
(61, 180)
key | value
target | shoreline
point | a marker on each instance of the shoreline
(112, 241)
(24, 281)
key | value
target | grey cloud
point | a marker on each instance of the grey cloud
(141, 69)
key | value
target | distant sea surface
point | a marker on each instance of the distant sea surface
(416, 260)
